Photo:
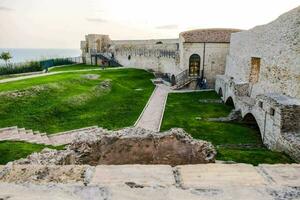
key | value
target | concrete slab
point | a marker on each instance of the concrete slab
(282, 174)
(216, 175)
(135, 176)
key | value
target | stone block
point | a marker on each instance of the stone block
(135, 176)
(282, 174)
(42, 174)
(215, 175)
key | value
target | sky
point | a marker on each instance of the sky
(63, 23)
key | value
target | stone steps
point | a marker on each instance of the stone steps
(21, 134)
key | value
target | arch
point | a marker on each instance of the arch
(173, 80)
(250, 120)
(194, 65)
(229, 101)
(220, 92)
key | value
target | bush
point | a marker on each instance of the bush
(33, 66)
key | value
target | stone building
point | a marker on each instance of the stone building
(262, 79)
(196, 53)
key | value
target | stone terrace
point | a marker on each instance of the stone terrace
(143, 182)
(21, 134)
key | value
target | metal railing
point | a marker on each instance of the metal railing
(182, 77)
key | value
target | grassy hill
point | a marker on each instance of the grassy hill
(111, 98)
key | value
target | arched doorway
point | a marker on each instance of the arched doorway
(173, 80)
(194, 65)
(220, 92)
(229, 101)
(250, 120)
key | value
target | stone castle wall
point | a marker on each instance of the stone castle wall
(158, 55)
(169, 56)
(271, 92)
(278, 46)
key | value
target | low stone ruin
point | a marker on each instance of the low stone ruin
(128, 146)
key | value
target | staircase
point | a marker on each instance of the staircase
(110, 59)
(182, 79)
(21, 134)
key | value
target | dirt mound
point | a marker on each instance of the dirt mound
(129, 146)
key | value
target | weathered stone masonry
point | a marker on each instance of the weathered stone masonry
(170, 56)
(262, 78)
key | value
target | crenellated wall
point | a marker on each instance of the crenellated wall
(158, 55)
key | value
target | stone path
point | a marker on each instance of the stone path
(21, 134)
(152, 114)
(52, 73)
(148, 182)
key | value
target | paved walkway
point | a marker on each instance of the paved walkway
(149, 182)
(52, 73)
(152, 114)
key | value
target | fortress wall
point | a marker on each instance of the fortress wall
(278, 46)
(148, 54)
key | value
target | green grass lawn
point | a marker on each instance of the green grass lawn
(73, 67)
(13, 150)
(185, 111)
(68, 101)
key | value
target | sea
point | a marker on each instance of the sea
(24, 55)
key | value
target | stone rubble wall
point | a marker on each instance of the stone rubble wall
(279, 131)
(147, 182)
(278, 46)
(274, 100)
(128, 146)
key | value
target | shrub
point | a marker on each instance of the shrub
(33, 66)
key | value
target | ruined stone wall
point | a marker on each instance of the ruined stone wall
(158, 55)
(214, 57)
(277, 115)
(278, 46)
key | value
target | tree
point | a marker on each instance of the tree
(5, 56)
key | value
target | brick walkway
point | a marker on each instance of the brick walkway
(152, 114)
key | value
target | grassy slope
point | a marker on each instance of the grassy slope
(185, 111)
(73, 67)
(68, 101)
(19, 150)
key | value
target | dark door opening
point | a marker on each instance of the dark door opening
(194, 65)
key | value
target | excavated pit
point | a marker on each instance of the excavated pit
(128, 146)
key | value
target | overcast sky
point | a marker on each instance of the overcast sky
(63, 23)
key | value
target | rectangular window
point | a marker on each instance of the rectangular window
(255, 69)
(272, 111)
(260, 104)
